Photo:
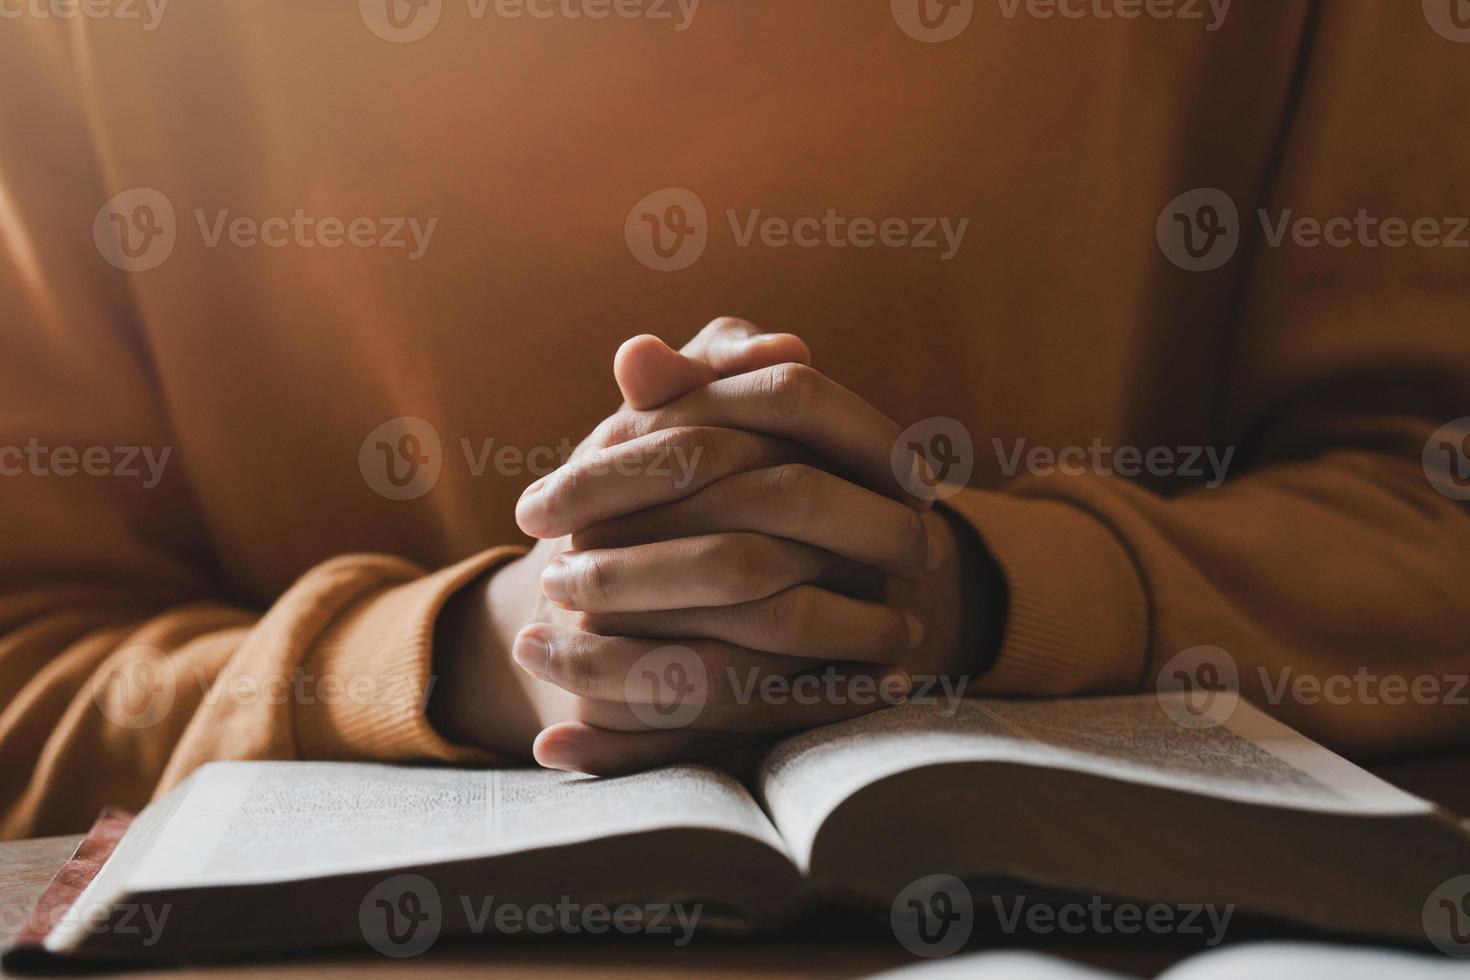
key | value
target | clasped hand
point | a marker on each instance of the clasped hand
(736, 534)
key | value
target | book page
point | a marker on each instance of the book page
(1259, 961)
(1250, 758)
(254, 822)
(1010, 964)
(1314, 961)
(94, 903)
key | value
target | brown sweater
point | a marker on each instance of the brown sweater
(223, 601)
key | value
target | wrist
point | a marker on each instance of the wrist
(984, 597)
(481, 698)
(962, 604)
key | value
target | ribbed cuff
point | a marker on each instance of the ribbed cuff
(1078, 621)
(376, 660)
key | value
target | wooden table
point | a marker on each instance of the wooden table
(26, 867)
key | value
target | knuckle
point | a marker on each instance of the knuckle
(618, 428)
(718, 667)
(599, 437)
(771, 623)
(564, 494)
(593, 582)
(791, 616)
(706, 448)
(797, 489)
(800, 613)
(686, 447)
(746, 562)
(791, 390)
(581, 671)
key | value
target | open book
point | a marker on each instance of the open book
(1097, 796)
(1259, 961)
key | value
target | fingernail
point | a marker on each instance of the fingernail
(554, 582)
(533, 654)
(933, 552)
(530, 511)
(561, 754)
(916, 629)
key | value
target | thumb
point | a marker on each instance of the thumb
(650, 373)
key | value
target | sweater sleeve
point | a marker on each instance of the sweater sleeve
(1338, 548)
(125, 661)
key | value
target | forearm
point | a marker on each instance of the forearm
(1325, 569)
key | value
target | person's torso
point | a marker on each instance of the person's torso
(463, 227)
